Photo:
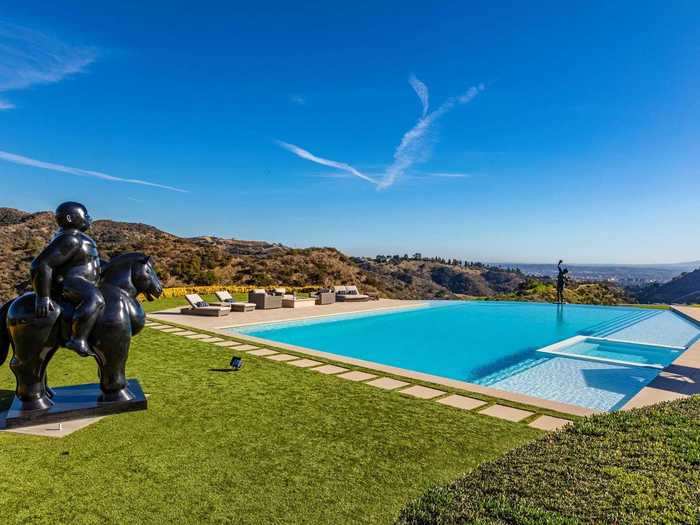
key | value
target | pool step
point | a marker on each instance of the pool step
(620, 323)
(617, 321)
(510, 371)
(637, 319)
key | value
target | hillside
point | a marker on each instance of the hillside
(683, 289)
(576, 292)
(212, 260)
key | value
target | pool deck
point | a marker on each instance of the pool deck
(308, 311)
(679, 379)
(218, 325)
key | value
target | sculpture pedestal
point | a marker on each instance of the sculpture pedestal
(74, 402)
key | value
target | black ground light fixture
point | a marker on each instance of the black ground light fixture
(236, 363)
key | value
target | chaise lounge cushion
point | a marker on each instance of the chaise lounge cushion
(224, 296)
(200, 307)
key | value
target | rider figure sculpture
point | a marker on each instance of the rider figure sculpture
(69, 268)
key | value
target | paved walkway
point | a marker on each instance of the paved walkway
(406, 388)
(278, 314)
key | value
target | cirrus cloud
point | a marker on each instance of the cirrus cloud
(413, 146)
(29, 58)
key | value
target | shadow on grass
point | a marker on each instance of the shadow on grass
(6, 397)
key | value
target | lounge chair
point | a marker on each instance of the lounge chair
(348, 294)
(236, 306)
(198, 306)
(263, 300)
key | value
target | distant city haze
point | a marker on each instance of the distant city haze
(475, 130)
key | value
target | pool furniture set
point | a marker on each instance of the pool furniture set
(261, 299)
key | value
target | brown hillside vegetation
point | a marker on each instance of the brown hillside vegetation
(212, 260)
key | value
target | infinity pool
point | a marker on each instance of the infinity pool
(495, 344)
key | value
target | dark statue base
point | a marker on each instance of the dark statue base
(74, 402)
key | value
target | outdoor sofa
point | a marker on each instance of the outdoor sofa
(264, 300)
(198, 306)
(349, 294)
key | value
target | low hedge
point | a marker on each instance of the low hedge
(181, 291)
(641, 466)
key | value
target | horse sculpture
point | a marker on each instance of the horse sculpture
(36, 339)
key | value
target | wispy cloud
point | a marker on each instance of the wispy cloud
(422, 91)
(6, 105)
(26, 161)
(299, 152)
(29, 58)
(414, 145)
(298, 100)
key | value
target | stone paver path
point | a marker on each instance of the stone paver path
(197, 336)
(262, 352)
(387, 383)
(330, 369)
(507, 413)
(356, 375)
(245, 348)
(282, 357)
(463, 402)
(422, 392)
(226, 344)
(212, 340)
(549, 423)
(305, 363)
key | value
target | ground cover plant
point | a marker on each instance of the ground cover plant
(269, 444)
(640, 467)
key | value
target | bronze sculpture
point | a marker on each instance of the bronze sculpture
(561, 282)
(81, 303)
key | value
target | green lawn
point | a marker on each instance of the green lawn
(640, 467)
(269, 444)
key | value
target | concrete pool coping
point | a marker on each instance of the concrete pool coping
(214, 325)
(679, 379)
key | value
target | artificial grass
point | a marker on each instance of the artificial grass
(268, 444)
(640, 467)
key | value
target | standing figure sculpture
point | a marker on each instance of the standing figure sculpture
(561, 282)
(80, 303)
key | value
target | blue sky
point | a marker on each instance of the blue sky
(554, 129)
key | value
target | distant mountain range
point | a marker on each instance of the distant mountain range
(683, 289)
(624, 274)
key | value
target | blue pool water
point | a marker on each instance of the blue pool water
(493, 343)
